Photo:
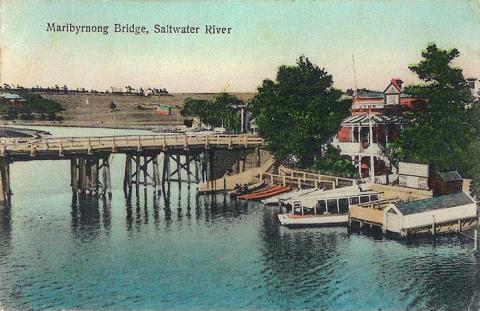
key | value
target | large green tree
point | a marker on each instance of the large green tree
(299, 112)
(217, 112)
(441, 134)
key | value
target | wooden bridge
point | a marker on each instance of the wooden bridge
(89, 157)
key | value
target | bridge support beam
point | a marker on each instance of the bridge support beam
(141, 170)
(5, 191)
(86, 172)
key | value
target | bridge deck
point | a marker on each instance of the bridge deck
(32, 149)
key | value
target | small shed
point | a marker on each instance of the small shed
(446, 183)
(442, 213)
(165, 110)
(413, 175)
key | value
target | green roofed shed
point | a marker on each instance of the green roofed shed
(444, 201)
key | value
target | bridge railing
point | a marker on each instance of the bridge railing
(103, 142)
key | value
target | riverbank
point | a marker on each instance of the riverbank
(6, 131)
(132, 111)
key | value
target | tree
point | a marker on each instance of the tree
(300, 112)
(217, 112)
(442, 132)
(332, 162)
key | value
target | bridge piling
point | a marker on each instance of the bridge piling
(5, 191)
(106, 178)
(85, 172)
(127, 181)
(144, 174)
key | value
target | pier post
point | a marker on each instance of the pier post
(145, 173)
(5, 191)
(156, 177)
(137, 172)
(475, 240)
(179, 171)
(106, 178)
(127, 181)
(197, 179)
(167, 162)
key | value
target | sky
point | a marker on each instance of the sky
(384, 37)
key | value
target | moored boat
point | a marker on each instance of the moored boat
(326, 208)
(275, 200)
(247, 189)
(275, 190)
(295, 220)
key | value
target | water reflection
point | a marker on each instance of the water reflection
(86, 221)
(5, 230)
(304, 265)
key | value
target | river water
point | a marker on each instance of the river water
(206, 253)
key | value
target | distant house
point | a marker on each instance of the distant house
(435, 214)
(165, 110)
(446, 183)
(11, 98)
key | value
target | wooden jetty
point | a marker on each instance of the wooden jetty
(90, 158)
(297, 179)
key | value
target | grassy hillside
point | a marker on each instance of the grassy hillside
(94, 110)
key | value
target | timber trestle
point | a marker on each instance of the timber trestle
(150, 161)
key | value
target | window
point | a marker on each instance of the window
(374, 197)
(343, 205)
(471, 84)
(392, 211)
(354, 200)
(364, 199)
(321, 207)
(332, 206)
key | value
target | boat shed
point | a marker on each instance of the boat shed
(447, 213)
(446, 183)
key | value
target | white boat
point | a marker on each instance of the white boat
(328, 207)
(292, 220)
(277, 199)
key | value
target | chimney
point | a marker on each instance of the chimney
(398, 83)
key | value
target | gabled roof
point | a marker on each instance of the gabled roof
(450, 176)
(425, 205)
(379, 118)
(395, 87)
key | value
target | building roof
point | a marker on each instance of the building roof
(10, 96)
(370, 95)
(425, 205)
(364, 119)
(166, 106)
(450, 176)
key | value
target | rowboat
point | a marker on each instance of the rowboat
(275, 190)
(247, 189)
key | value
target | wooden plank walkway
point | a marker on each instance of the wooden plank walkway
(296, 182)
(59, 147)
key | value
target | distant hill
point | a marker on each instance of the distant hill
(94, 109)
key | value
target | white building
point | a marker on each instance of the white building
(456, 210)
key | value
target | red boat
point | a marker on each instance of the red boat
(265, 193)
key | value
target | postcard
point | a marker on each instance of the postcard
(211, 155)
